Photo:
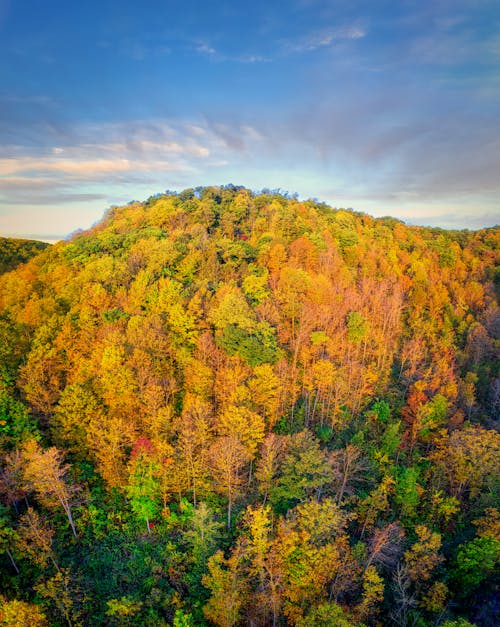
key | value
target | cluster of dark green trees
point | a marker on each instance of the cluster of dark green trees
(226, 408)
(15, 251)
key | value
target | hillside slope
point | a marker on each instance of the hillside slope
(15, 251)
(299, 402)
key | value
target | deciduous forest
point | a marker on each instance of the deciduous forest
(16, 251)
(221, 407)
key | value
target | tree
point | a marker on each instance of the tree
(242, 423)
(404, 599)
(258, 522)
(412, 415)
(384, 548)
(376, 503)
(265, 564)
(45, 473)
(479, 559)
(194, 436)
(203, 533)
(123, 610)
(408, 491)
(476, 561)
(326, 615)
(265, 391)
(41, 377)
(8, 538)
(35, 539)
(271, 455)
(56, 588)
(349, 470)
(373, 593)
(304, 471)
(15, 423)
(143, 485)
(423, 557)
(110, 440)
(77, 408)
(311, 557)
(227, 457)
(11, 479)
(468, 463)
(228, 589)
(17, 613)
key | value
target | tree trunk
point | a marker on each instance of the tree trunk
(13, 561)
(70, 518)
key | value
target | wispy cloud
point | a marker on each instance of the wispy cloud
(323, 38)
(377, 159)
(205, 49)
(129, 153)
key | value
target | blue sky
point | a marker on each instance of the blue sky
(392, 108)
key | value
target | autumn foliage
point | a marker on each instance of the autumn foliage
(227, 408)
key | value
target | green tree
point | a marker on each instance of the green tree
(303, 473)
(143, 487)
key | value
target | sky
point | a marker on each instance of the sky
(386, 107)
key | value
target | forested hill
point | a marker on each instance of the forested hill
(228, 408)
(15, 251)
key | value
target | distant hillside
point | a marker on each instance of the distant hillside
(271, 412)
(15, 251)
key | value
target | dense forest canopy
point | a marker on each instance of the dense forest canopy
(15, 251)
(227, 408)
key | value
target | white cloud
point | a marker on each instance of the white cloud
(95, 152)
(204, 48)
(323, 38)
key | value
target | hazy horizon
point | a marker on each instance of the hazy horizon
(52, 238)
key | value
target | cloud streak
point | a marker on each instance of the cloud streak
(373, 160)
(89, 164)
(324, 38)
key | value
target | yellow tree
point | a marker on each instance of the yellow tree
(308, 566)
(34, 539)
(41, 377)
(45, 473)
(56, 588)
(264, 387)
(265, 564)
(468, 462)
(246, 425)
(271, 455)
(226, 581)
(35, 542)
(373, 594)
(77, 408)
(423, 557)
(17, 613)
(109, 440)
(227, 457)
(194, 437)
